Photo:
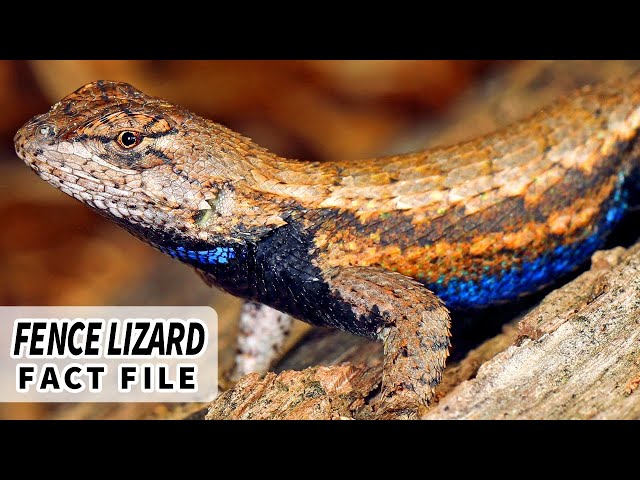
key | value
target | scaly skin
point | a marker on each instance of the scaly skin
(360, 245)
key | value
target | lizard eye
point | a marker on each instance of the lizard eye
(128, 139)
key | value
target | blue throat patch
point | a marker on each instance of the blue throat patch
(214, 256)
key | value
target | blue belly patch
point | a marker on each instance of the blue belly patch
(460, 293)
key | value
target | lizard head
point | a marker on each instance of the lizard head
(146, 163)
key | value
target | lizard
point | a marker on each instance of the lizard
(384, 247)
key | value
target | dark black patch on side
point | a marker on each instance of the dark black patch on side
(287, 280)
(276, 270)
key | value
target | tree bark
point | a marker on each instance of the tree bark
(577, 355)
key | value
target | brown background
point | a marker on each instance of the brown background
(55, 251)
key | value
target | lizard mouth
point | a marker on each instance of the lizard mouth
(73, 169)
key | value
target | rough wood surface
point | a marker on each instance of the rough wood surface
(578, 356)
(338, 392)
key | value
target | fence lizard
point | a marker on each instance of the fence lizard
(382, 247)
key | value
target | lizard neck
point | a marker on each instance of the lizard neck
(226, 263)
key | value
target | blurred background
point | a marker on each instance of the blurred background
(56, 251)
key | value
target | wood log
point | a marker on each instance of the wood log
(577, 355)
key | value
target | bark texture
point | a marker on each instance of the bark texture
(577, 356)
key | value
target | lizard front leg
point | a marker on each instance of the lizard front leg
(411, 321)
(263, 332)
